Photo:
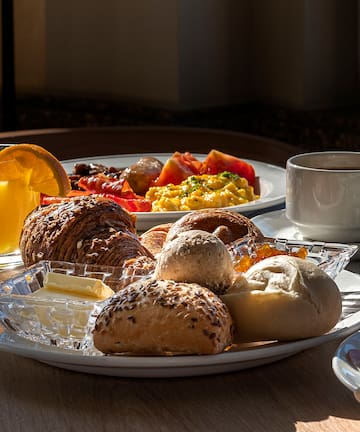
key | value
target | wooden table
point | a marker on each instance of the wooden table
(300, 393)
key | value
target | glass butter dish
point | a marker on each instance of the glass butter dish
(58, 322)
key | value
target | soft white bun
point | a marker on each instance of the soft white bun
(196, 256)
(159, 317)
(283, 298)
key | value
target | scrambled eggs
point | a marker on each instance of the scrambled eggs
(203, 191)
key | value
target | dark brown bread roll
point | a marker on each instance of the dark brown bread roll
(226, 225)
(84, 229)
(162, 317)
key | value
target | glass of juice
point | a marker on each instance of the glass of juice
(17, 200)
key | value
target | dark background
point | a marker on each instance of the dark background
(330, 129)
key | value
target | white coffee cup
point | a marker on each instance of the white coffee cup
(323, 195)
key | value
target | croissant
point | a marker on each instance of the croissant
(154, 238)
(84, 229)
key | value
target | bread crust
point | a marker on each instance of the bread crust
(196, 256)
(226, 225)
(84, 229)
(154, 238)
(162, 317)
(284, 298)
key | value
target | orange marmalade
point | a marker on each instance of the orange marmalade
(244, 262)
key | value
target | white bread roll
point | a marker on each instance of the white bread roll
(160, 317)
(196, 256)
(283, 298)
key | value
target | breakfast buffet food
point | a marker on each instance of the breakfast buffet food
(154, 238)
(163, 317)
(280, 299)
(227, 225)
(63, 285)
(201, 285)
(201, 191)
(283, 298)
(142, 174)
(183, 182)
(84, 229)
(196, 256)
(65, 302)
(183, 289)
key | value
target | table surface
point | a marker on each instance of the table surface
(300, 393)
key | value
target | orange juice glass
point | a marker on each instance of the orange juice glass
(17, 200)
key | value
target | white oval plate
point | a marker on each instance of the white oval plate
(272, 186)
(346, 364)
(178, 366)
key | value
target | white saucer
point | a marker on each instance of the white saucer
(276, 224)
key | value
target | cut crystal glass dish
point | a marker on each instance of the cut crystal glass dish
(330, 257)
(54, 322)
(58, 331)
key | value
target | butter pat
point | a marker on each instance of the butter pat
(76, 286)
(56, 310)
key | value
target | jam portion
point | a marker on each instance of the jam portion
(260, 252)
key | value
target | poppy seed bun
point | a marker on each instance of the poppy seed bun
(160, 317)
(286, 298)
(196, 256)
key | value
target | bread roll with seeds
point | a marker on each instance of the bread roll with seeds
(160, 317)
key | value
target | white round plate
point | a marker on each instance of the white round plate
(272, 186)
(178, 366)
(346, 363)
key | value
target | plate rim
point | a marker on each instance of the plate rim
(147, 364)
